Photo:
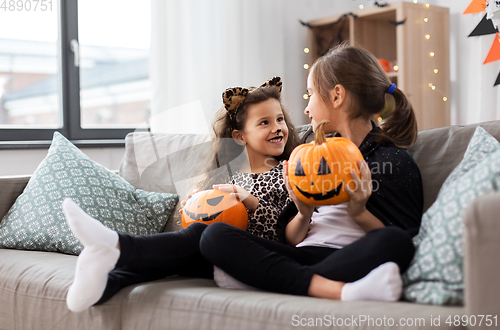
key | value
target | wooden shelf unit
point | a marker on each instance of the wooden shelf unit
(404, 45)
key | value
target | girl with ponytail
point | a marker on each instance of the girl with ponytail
(362, 77)
(351, 251)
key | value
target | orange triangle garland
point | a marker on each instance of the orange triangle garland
(476, 6)
(494, 54)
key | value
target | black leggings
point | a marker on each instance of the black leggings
(147, 258)
(283, 268)
(253, 260)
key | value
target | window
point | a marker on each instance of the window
(80, 68)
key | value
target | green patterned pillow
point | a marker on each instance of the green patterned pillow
(36, 220)
(480, 146)
(435, 275)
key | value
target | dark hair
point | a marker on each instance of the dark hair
(226, 149)
(359, 72)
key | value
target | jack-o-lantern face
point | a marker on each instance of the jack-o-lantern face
(318, 171)
(211, 206)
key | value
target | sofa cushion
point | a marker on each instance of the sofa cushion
(182, 303)
(33, 287)
(439, 150)
(11, 188)
(36, 220)
(481, 145)
(164, 163)
(435, 275)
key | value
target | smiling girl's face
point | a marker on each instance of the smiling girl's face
(265, 132)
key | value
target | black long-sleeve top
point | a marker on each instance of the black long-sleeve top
(397, 196)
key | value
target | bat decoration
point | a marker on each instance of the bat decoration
(396, 23)
(305, 24)
(380, 5)
(337, 21)
(484, 27)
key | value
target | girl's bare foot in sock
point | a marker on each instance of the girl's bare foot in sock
(98, 258)
(384, 283)
(91, 276)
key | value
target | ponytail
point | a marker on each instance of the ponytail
(400, 128)
(360, 73)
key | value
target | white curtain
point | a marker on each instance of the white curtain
(201, 47)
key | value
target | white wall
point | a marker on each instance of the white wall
(472, 95)
(295, 41)
(294, 84)
(25, 162)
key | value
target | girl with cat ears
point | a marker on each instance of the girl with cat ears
(233, 115)
(111, 261)
(229, 122)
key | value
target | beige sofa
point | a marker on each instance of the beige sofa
(33, 285)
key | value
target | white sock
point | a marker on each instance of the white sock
(87, 229)
(384, 283)
(91, 276)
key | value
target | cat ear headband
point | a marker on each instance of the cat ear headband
(233, 97)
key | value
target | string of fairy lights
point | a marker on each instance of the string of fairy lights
(432, 54)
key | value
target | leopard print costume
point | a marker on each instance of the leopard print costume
(269, 188)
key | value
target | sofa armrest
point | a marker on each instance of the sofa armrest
(10, 188)
(482, 249)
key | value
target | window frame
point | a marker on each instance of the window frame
(21, 138)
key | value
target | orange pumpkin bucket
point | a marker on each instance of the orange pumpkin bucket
(209, 206)
(318, 171)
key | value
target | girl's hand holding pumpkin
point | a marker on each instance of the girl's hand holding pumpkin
(298, 227)
(362, 192)
(183, 203)
(304, 209)
(251, 202)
